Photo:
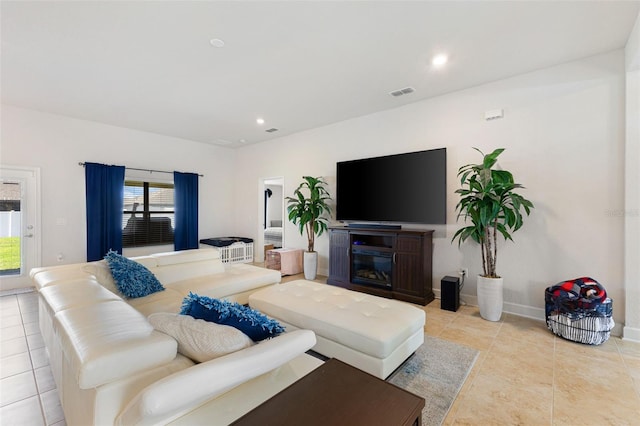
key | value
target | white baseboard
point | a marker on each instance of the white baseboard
(631, 333)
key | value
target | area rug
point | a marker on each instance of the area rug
(436, 372)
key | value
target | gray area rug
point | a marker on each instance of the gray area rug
(436, 372)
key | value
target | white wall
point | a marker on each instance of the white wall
(632, 186)
(563, 131)
(56, 144)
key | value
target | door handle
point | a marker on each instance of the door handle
(394, 258)
(28, 235)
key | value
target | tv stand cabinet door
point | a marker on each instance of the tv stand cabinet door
(410, 282)
(339, 256)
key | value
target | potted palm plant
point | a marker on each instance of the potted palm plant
(307, 211)
(489, 200)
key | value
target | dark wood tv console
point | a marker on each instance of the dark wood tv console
(392, 263)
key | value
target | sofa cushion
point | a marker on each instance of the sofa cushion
(168, 300)
(132, 278)
(237, 278)
(251, 322)
(198, 339)
(108, 341)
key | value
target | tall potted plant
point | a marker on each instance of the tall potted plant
(307, 211)
(489, 200)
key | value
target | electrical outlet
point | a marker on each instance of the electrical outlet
(464, 272)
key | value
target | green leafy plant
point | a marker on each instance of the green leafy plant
(308, 211)
(489, 200)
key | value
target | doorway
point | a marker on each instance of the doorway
(272, 212)
(19, 225)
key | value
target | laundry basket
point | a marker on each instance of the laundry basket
(579, 310)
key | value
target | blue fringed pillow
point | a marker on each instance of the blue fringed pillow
(132, 279)
(251, 322)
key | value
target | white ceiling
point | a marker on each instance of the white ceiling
(298, 64)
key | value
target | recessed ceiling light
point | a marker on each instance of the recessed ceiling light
(216, 42)
(439, 60)
(260, 120)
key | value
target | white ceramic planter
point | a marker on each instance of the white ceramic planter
(310, 264)
(490, 298)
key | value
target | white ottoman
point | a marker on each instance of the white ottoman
(371, 333)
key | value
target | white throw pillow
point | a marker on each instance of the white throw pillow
(198, 339)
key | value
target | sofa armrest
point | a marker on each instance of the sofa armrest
(189, 388)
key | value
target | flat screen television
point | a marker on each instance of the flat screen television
(401, 188)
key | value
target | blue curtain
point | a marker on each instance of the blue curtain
(104, 190)
(185, 186)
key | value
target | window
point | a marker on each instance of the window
(148, 214)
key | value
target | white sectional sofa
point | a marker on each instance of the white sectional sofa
(112, 367)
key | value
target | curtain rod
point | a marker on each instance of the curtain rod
(141, 170)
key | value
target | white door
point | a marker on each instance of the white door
(19, 225)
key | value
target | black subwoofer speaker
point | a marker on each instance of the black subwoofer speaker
(450, 293)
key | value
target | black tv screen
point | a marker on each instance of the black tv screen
(406, 188)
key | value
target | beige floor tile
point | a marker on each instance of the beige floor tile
(39, 358)
(592, 405)
(523, 375)
(527, 330)
(44, 379)
(13, 347)
(35, 341)
(467, 337)
(493, 400)
(25, 412)
(17, 387)
(627, 347)
(28, 317)
(15, 364)
(574, 371)
(519, 365)
(608, 350)
(469, 320)
(10, 321)
(30, 305)
(435, 326)
(8, 301)
(31, 328)
(52, 408)
(10, 310)
(8, 333)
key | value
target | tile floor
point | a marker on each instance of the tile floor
(28, 393)
(524, 375)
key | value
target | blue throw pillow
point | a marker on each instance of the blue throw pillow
(251, 322)
(132, 279)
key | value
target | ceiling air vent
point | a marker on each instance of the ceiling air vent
(271, 130)
(401, 92)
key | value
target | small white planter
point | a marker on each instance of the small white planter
(490, 298)
(310, 264)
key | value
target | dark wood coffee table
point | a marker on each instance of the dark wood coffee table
(338, 394)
